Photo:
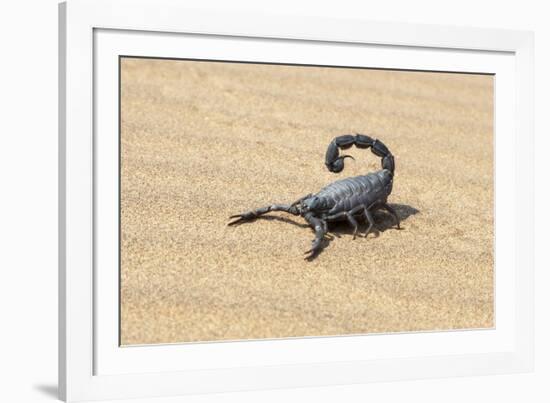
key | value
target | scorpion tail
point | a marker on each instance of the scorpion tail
(335, 162)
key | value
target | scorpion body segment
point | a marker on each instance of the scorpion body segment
(345, 199)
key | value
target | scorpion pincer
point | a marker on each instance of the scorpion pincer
(345, 199)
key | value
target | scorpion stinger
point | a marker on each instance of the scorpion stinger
(335, 162)
(345, 199)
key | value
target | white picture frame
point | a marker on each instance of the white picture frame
(94, 33)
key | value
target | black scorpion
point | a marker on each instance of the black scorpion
(344, 199)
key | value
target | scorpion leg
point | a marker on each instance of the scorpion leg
(392, 212)
(337, 216)
(253, 214)
(320, 231)
(369, 218)
(348, 215)
(353, 222)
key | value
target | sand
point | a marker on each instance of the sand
(201, 141)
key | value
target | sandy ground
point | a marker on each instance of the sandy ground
(202, 141)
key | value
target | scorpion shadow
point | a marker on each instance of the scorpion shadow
(383, 221)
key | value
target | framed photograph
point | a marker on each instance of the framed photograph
(255, 201)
